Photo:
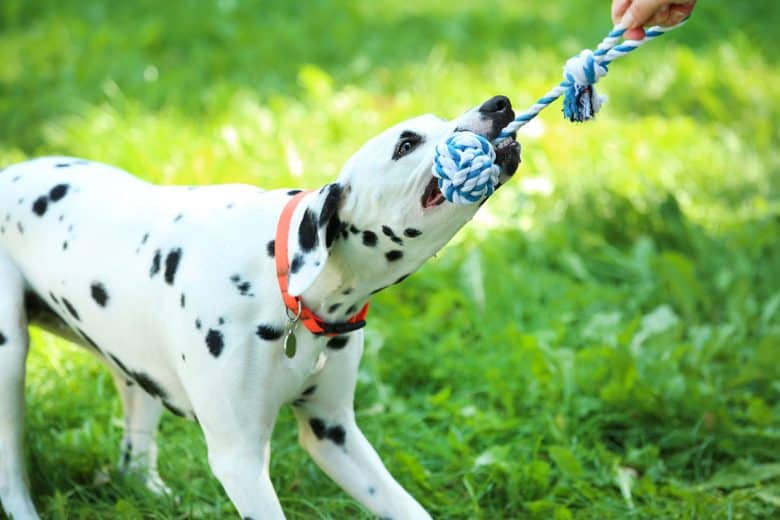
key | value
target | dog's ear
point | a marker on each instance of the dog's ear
(316, 225)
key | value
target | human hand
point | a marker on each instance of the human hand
(634, 14)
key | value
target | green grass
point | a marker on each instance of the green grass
(612, 315)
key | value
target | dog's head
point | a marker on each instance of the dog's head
(385, 211)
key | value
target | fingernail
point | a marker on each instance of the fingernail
(628, 20)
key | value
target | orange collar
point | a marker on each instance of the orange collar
(294, 304)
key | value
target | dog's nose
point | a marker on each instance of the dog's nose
(499, 110)
(497, 105)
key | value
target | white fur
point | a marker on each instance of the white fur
(95, 234)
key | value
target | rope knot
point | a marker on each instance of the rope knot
(580, 74)
(465, 166)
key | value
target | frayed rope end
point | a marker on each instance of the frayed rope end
(581, 102)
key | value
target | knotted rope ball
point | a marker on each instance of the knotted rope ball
(465, 162)
(465, 166)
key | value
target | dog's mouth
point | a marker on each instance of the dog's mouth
(507, 157)
(432, 196)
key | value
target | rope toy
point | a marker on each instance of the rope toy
(465, 167)
(464, 163)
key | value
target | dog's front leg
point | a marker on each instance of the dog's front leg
(327, 430)
(237, 422)
(241, 465)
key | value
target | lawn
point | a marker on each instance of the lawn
(603, 341)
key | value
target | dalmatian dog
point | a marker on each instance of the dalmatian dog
(224, 303)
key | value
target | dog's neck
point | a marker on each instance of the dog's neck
(350, 278)
(371, 251)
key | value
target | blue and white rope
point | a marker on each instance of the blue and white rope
(465, 167)
(476, 176)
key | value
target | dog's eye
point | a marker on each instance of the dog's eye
(407, 143)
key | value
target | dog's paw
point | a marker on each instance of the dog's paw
(155, 484)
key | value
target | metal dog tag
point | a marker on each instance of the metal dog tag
(290, 343)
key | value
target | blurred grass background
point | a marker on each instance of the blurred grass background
(602, 342)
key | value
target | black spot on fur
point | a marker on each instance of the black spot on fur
(380, 289)
(351, 310)
(145, 238)
(296, 264)
(404, 277)
(332, 231)
(293, 192)
(58, 192)
(118, 363)
(53, 298)
(171, 265)
(318, 428)
(334, 307)
(221, 321)
(99, 294)
(394, 255)
(354, 230)
(307, 232)
(333, 433)
(310, 390)
(90, 341)
(40, 205)
(230, 206)
(243, 287)
(269, 333)
(155, 268)
(173, 409)
(347, 291)
(198, 324)
(337, 342)
(387, 230)
(2, 339)
(271, 248)
(369, 238)
(71, 309)
(178, 217)
(331, 205)
(412, 232)
(62, 165)
(183, 300)
(65, 245)
(337, 435)
(149, 385)
(20, 227)
(215, 342)
(371, 490)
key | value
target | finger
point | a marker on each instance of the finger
(639, 13)
(618, 9)
(637, 33)
(660, 17)
(671, 14)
